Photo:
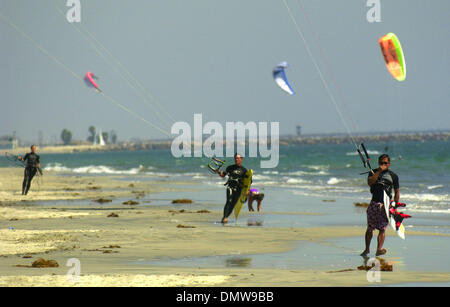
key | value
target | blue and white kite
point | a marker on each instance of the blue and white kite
(280, 78)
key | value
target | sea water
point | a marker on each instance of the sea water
(319, 170)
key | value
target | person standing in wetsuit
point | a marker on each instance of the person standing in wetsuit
(382, 179)
(235, 174)
(33, 165)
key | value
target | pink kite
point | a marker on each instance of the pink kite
(89, 79)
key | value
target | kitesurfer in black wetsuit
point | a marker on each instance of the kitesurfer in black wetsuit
(382, 179)
(33, 165)
(235, 174)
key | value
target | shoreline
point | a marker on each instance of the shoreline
(283, 141)
(111, 250)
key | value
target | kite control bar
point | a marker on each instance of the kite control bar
(215, 164)
(14, 159)
(365, 160)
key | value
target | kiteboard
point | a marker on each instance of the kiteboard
(245, 187)
(396, 224)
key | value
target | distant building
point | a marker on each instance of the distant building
(298, 129)
(8, 142)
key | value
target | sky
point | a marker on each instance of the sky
(216, 58)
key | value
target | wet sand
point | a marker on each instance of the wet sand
(110, 248)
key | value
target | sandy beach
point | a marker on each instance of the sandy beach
(111, 240)
(144, 127)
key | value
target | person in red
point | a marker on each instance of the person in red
(380, 180)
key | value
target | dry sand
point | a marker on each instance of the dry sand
(108, 248)
(52, 186)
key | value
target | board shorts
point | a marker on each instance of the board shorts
(258, 197)
(376, 216)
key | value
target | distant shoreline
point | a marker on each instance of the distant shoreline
(368, 138)
(284, 141)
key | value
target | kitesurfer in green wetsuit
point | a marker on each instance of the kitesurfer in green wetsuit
(33, 165)
(235, 174)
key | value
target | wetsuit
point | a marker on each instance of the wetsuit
(235, 176)
(33, 160)
(376, 216)
(386, 181)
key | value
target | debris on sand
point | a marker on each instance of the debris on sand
(93, 188)
(182, 201)
(102, 200)
(41, 263)
(108, 251)
(183, 226)
(175, 211)
(130, 202)
(113, 215)
(383, 266)
(186, 211)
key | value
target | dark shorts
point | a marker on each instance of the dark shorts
(376, 216)
(259, 197)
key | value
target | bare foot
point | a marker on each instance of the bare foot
(224, 220)
(381, 252)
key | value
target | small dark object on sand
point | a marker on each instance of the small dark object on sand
(113, 215)
(182, 201)
(42, 263)
(203, 211)
(102, 200)
(93, 188)
(130, 202)
(183, 226)
(384, 266)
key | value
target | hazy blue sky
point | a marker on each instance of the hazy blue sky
(215, 57)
